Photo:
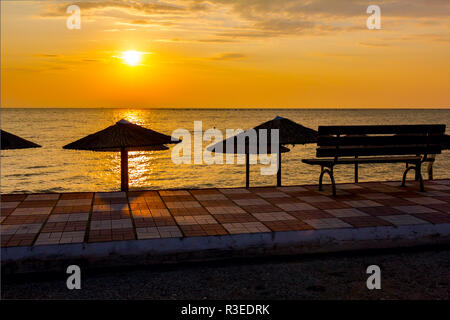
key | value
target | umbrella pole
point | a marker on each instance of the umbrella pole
(279, 170)
(124, 169)
(247, 170)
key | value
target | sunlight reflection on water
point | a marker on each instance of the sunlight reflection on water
(52, 168)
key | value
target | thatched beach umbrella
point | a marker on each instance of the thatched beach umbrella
(291, 133)
(123, 136)
(11, 141)
(242, 145)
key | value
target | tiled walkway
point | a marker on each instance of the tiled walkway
(42, 219)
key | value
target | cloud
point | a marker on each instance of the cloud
(228, 20)
(147, 7)
(228, 56)
(374, 44)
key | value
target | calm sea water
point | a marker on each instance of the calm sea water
(53, 169)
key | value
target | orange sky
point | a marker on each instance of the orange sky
(226, 53)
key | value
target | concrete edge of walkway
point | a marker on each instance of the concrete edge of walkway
(46, 258)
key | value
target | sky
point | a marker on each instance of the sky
(226, 54)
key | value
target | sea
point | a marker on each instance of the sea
(54, 169)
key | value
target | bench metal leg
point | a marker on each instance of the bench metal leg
(418, 175)
(330, 173)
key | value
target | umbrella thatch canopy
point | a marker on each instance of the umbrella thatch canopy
(123, 136)
(289, 133)
(11, 141)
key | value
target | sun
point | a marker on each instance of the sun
(132, 57)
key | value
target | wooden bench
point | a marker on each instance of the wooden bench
(353, 145)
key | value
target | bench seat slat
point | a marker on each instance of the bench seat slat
(380, 140)
(324, 161)
(382, 129)
(343, 151)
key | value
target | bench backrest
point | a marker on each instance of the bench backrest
(377, 140)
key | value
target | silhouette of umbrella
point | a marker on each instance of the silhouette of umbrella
(242, 144)
(289, 133)
(123, 136)
(11, 141)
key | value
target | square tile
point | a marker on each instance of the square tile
(434, 217)
(426, 200)
(443, 181)
(217, 203)
(251, 202)
(381, 211)
(330, 205)
(108, 195)
(246, 227)
(72, 237)
(12, 197)
(50, 196)
(405, 219)
(272, 195)
(261, 209)
(395, 202)
(347, 212)
(439, 187)
(348, 186)
(310, 214)
(273, 216)
(214, 229)
(74, 202)
(376, 196)
(234, 191)
(174, 193)
(31, 211)
(100, 224)
(29, 228)
(367, 221)
(9, 205)
(235, 218)
(316, 199)
(148, 233)
(121, 224)
(279, 226)
(414, 209)
(169, 232)
(295, 206)
(292, 189)
(77, 195)
(362, 203)
(183, 204)
(48, 238)
(327, 223)
(210, 197)
(225, 210)
(440, 207)
(193, 230)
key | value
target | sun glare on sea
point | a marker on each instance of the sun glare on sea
(132, 57)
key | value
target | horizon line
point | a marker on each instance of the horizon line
(242, 108)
